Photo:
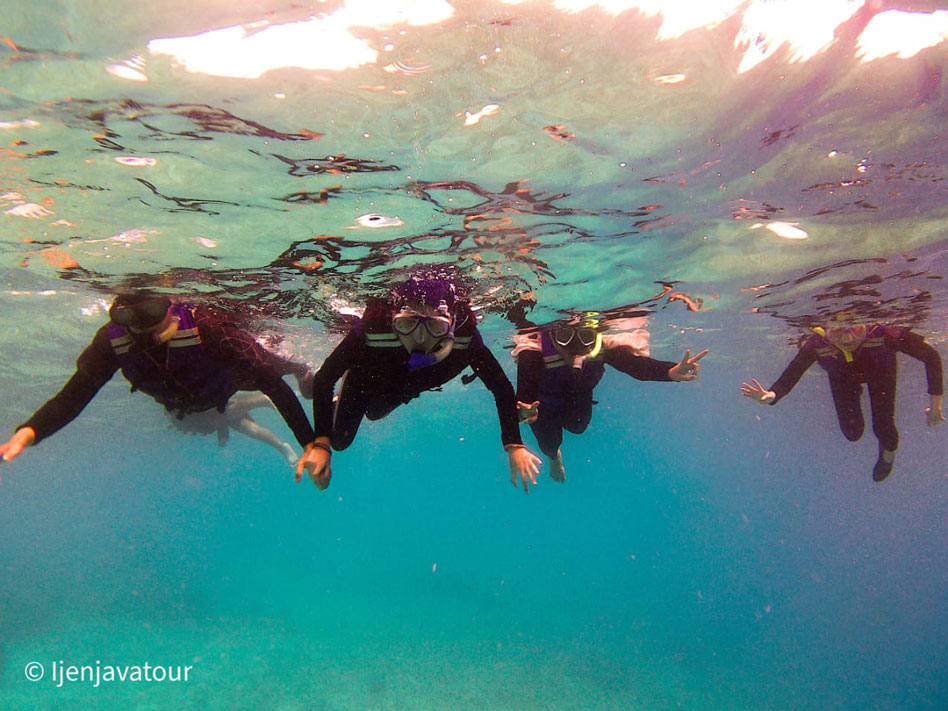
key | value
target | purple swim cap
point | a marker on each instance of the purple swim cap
(430, 292)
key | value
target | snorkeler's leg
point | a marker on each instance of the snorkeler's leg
(578, 414)
(247, 426)
(846, 396)
(882, 403)
(239, 405)
(549, 434)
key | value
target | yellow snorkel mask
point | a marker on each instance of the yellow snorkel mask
(586, 334)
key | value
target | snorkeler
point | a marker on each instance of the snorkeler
(185, 357)
(856, 354)
(418, 340)
(558, 369)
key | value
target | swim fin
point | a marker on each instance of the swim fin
(883, 466)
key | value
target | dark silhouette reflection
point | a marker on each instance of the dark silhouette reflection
(183, 204)
(10, 51)
(64, 184)
(560, 364)
(320, 197)
(197, 122)
(331, 165)
(423, 335)
(854, 353)
(900, 290)
(190, 359)
(515, 198)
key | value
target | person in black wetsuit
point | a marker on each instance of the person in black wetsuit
(856, 354)
(558, 368)
(185, 357)
(420, 339)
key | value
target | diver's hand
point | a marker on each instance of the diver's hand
(528, 413)
(22, 438)
(935, 416)
(687, 368)
(757, 392)
(524, 464)
(315, 462)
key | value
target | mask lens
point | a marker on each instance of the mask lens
(562, 336)
(437, 327)
(122, 315)
(587, 336)
(140, 316)
(405, 325)
(841, 332)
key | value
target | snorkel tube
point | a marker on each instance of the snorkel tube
(417, 360)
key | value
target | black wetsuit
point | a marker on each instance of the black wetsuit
(872, 363)
(228, 346)
(377, 379)
(565, 394)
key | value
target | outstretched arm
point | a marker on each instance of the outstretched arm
(288, 405)
(626, 360)
(914, 345)
(524, 465)
(94, 368)
(529, 373)
(317, 455)
(791, 375)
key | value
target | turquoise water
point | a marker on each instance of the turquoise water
(704, 553)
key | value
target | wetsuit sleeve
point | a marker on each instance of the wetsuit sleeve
(348, 353)
(529, 373)
(487, 368)
(913, 345)
(801, 362)
(94, 368)
(626, 360)
(236, 349)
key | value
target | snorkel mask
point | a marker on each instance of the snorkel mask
(439, 293)
(583, 339)
(845, 333)
(140, 314)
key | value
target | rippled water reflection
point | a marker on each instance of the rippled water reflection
(531, 148)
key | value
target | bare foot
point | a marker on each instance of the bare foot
(557, 472)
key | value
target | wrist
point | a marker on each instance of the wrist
(510, 448)
(321, 443)
(26, 436)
